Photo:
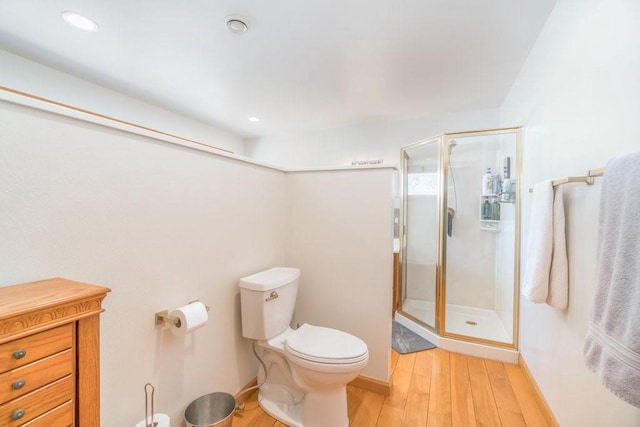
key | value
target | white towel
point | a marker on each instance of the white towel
(558, 296)
(535, 283)
(612, 345)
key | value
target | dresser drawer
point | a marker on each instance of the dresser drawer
(62, 416)
(26, 379)
(29, 349)
(36, 403)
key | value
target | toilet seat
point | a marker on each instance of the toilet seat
(326, 346)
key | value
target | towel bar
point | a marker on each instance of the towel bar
(588, 179)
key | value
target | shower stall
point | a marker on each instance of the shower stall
(460, 237)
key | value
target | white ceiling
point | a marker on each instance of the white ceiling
(303, 65)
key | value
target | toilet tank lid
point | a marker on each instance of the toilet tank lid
(270, 279)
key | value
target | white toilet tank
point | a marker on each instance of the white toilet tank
(267, 300)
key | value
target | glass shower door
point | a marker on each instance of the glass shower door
(420, 238)
(480, 246)
(460, 237)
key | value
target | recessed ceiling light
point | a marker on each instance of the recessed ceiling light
(254, 119)
(81, 22)
(237, 24)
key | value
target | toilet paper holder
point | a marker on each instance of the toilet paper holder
(163, 317)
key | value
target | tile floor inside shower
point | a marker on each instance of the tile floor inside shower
(462, 320)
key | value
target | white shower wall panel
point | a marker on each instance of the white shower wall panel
(471, 252)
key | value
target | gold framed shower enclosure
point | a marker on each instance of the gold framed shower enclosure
(479, 267)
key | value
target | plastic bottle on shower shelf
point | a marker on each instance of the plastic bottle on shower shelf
(496, 184)
(512, 191)
(486, 210)
(495, 210)
(487, 183)
(506, 187)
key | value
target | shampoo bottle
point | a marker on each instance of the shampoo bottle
(496, 184)
(487, 182)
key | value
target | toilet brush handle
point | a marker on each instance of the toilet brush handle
(146, 405)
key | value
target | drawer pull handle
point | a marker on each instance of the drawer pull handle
(17, 414)
(18, 384)
(19, 354)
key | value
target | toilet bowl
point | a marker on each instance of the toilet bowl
(307, 368)
(319, 362)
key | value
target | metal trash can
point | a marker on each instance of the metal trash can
(213, 409)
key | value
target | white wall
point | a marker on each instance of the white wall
(340, 233)
(160, 225)
(365, 141)
(27, 76)
(577, 97)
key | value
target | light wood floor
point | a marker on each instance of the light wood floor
(435, 388)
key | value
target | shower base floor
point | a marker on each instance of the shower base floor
(461, 320)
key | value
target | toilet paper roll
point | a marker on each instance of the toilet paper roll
(192, 316)
(160, 420)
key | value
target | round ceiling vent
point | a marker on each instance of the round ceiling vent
(237, 24)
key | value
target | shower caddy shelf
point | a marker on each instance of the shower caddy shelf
(493, 225)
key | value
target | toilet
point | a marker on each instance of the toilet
(307, 369)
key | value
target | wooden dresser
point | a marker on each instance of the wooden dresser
(49, 354)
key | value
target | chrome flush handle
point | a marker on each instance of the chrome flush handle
(272, 296)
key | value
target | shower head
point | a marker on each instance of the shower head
(452, 143)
